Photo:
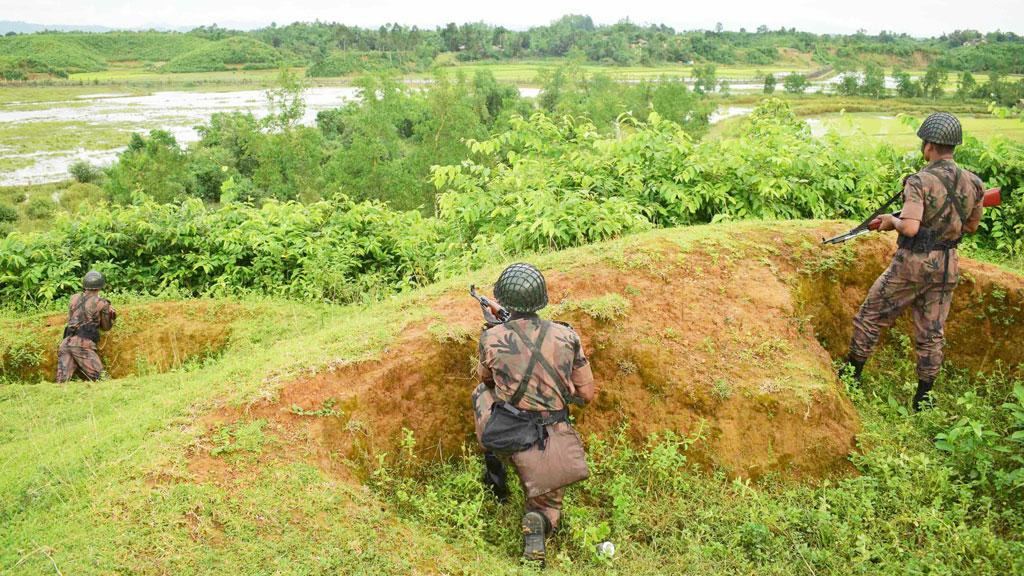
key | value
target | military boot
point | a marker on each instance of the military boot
(495, 476)
(535, 528)
(856, 364)
(923, 398)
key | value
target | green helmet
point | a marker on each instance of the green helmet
(93, 280)
(941, 128)
(521, 288)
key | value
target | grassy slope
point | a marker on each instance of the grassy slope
(94, 479)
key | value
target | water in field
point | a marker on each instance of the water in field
(177, 112)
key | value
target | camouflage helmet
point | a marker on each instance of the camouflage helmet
(521, 288)
(941, 128)
(93, 280)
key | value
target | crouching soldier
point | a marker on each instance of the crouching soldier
(88, 314)
(531, 370)
(941, 203)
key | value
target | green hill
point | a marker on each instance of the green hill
(234, 51)
(264, 436)
(50, 52)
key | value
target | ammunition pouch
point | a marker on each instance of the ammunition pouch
(510, 430)
(87, 331)
(925, 241)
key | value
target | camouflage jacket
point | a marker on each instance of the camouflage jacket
(924, 199)
(561, 368)
(86, 310)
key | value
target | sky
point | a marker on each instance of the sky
(914, 17)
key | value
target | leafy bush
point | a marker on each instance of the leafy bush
(339, 251)
(84, 172)
(8, 214)
(40, 208)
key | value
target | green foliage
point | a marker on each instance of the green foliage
(769, 84)
(233, 51)
(795, 83)
(40, 208)
(704, 79)
(8, 214)
(339, 250)
(243, 437)
(84, 172)
(357, 62)
(606, 308)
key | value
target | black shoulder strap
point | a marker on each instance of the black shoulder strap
(538, 358)
(951, 197)
(78, 308)
(535, 356)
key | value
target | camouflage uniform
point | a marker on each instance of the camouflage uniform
(923, 281)
(88, 314)
(504, 358)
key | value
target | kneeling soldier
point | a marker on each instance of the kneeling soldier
(531, 370)
(88, 314)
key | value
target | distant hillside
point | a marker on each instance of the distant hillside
(234, 51)
(331, 49)
(19, 27)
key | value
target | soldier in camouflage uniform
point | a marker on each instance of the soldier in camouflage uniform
(941, 203)
(549, 357)
(88, 314)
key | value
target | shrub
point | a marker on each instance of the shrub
(84, 172)
(8, 214)
(40, 208)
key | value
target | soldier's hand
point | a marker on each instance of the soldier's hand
(886, 222)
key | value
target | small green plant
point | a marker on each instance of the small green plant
(722, 389)
(327, 409)
(607, 308)
(240, 437)
(445, 333)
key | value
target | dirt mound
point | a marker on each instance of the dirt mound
(986, 319)
(147, 338)
(702, 332)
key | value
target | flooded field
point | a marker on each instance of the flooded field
(178, 112)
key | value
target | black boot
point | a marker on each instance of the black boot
(535, 528)
(495, 476)
(858, 367)
(922, 398)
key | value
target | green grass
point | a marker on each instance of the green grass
(95, 478)
(891, 129)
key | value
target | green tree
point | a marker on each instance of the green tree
(705, 78)
(932, 85)
(285, 104)
(795, 83)
(906, 87)
(966, 86)
(769, 83)
(873, 84)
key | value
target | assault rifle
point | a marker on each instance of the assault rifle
(993, 197)
(494, 314)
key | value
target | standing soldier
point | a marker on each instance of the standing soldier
(941, 203)
(88, 313)
(533, 369)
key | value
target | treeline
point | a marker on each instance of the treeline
(547, 181)
(336, 49)
(871, 82)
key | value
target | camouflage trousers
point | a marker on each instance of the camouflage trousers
(890, 296)
(71, 358)
(549, 504)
